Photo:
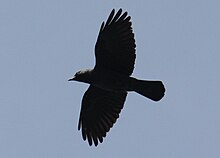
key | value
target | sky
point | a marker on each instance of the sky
(44, 42)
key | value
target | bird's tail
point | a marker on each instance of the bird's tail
(153, 90)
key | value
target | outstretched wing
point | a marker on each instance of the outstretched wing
(115, 46)
(99, 111)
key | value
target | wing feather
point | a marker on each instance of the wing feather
(115, 46)
(100, 110)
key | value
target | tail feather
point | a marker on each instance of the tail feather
(153, 90)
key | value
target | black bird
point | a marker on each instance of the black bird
(110, 78)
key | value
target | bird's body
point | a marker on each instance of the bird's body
(110, 79)
(106, 80)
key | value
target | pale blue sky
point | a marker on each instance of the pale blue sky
(43, 43)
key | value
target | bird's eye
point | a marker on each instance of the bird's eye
(77, 73)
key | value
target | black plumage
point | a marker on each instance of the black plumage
(110, 79)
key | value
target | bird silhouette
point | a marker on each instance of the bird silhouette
(110, 79)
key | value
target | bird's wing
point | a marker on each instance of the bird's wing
(99, 111)
(115, 46)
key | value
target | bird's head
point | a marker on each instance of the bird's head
(82, 76)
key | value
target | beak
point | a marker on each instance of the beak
(72, 79)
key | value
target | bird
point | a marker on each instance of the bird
(110, 80)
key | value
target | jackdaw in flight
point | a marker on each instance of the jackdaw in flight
(110, 78)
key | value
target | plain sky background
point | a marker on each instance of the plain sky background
(44, 42)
